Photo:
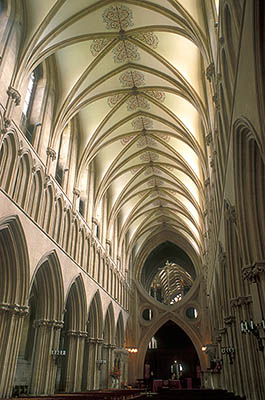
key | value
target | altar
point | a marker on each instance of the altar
(171, 384)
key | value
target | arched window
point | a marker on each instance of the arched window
(29, 93)
(28, 128)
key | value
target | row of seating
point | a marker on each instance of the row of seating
(196, 394)
(111, 394)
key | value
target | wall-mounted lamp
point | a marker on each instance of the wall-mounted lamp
(132, 349)
(204, 348)
(58, 353)
(254, 329)
(230, 351)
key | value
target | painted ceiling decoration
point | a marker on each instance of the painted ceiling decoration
(132, 80)
(132, 75)
(118, 17)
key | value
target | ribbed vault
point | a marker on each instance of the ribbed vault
(130, 73)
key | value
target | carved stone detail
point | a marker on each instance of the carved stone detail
(48, 323)
(216, 101)
(209, 138)
(210, 71)
(14, 309)
(254, 272)
(241, 301)
(76, 333)
(14, 95)
(76, 192)
(51, 153)
(229, 211)
(229, 320)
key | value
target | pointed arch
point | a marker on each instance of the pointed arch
(73, 336)
(36, 194)
(14, 283)
(76, 305)
(58, 219)
(48, 207)
(249, 170)
(67, 230)
(119, 336)
(14, 294)
(8, 159)
(47, 282)
(74, 238)
(143, 345)
(22, 179)
(95, 317)
(109, 326)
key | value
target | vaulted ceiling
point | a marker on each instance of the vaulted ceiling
(133, 74)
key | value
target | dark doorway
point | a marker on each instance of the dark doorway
(172, 355)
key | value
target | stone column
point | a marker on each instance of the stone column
(255, 274)
(104, 369)
(230, 325)
(240, 306)
(99, 343)
(74, 363)
(225, 370)
(110, 362)
(46, 338)
(12, 101)
(89, 369)
(11, 324)
(51, 156)
(76, 197)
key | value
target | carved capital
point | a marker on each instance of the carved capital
(254, 272)
(212, 163)
(48, 323)
(241, 301)
(209, 139)
(259, 268)
(91, 340)
(229, 320)
(5, 125)
(14, 95)
(76, 333)
(14, 309)
(210, 70)
(51, 153)
(76, 192)
(216, 101)
(229, 211)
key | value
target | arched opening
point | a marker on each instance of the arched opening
(95, 323)
(171, 359)
(14, 287)
(72, 339)
(106, 366)
(41, 331)
(168, 273)
(120, 358)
